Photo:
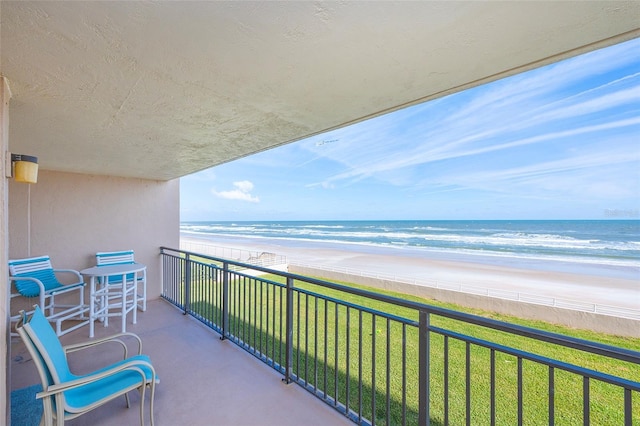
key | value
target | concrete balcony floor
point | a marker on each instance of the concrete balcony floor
(203, 380)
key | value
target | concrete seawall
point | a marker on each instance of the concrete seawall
(567, 317)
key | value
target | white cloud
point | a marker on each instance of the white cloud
(628, 96)
(596, 174)
(244, 186)
(241, 193)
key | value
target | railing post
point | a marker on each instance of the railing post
(225, 299)
(423, 369)
(187, 283)
(289, 333)
(163, 280)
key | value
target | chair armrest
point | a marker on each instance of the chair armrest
(70, 271)
(131, 365)
(35, 280)
(113, 338)
(41, 292)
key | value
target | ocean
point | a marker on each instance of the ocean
(609, 243)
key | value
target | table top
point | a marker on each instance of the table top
(117, 269)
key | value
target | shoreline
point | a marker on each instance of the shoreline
(617, 286)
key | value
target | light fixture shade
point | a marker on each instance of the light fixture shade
(25, 168)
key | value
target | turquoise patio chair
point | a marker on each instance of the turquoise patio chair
(35, 277)
(125, 257)
(65, 395)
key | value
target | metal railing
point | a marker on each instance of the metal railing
(538, 299)
(384, 360)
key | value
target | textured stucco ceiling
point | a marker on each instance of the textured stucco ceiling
(160, 90)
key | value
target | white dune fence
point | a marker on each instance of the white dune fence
(615, 320)
(537, 299)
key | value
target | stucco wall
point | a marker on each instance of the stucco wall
(570, 318)
(4, 293)
(73, 216)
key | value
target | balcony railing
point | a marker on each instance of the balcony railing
(386, 360)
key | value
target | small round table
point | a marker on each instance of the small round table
(99, 295)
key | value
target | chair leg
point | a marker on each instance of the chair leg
(42, 299)
(47, 413)
(142, 298)
(151, 397)
(144, 294)
(142, 388)
(52, 304)
(82, 303)
(59, 410)
(134, 297)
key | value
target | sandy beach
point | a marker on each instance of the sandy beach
(598, 284)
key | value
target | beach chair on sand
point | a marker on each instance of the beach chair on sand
(35, 277)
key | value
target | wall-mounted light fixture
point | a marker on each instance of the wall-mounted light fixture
(24, 168)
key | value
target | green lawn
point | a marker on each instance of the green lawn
(347, 353)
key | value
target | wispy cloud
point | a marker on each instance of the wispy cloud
(242, 192)
(594, 174)
(394, 162)
(544, 107)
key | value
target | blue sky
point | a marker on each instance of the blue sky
(559, 142)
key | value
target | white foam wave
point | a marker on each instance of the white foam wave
(500, 241)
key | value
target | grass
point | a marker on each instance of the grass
(606, 400)
(364, 360)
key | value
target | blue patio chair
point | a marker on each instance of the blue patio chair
(65, 395)
(125, 257)
(35, 277)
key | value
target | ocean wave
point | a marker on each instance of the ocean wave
(217, 229)
(633, 262)
(504, 240)
(431, 228)
(603, 242)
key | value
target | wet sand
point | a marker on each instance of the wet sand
(597, 284)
